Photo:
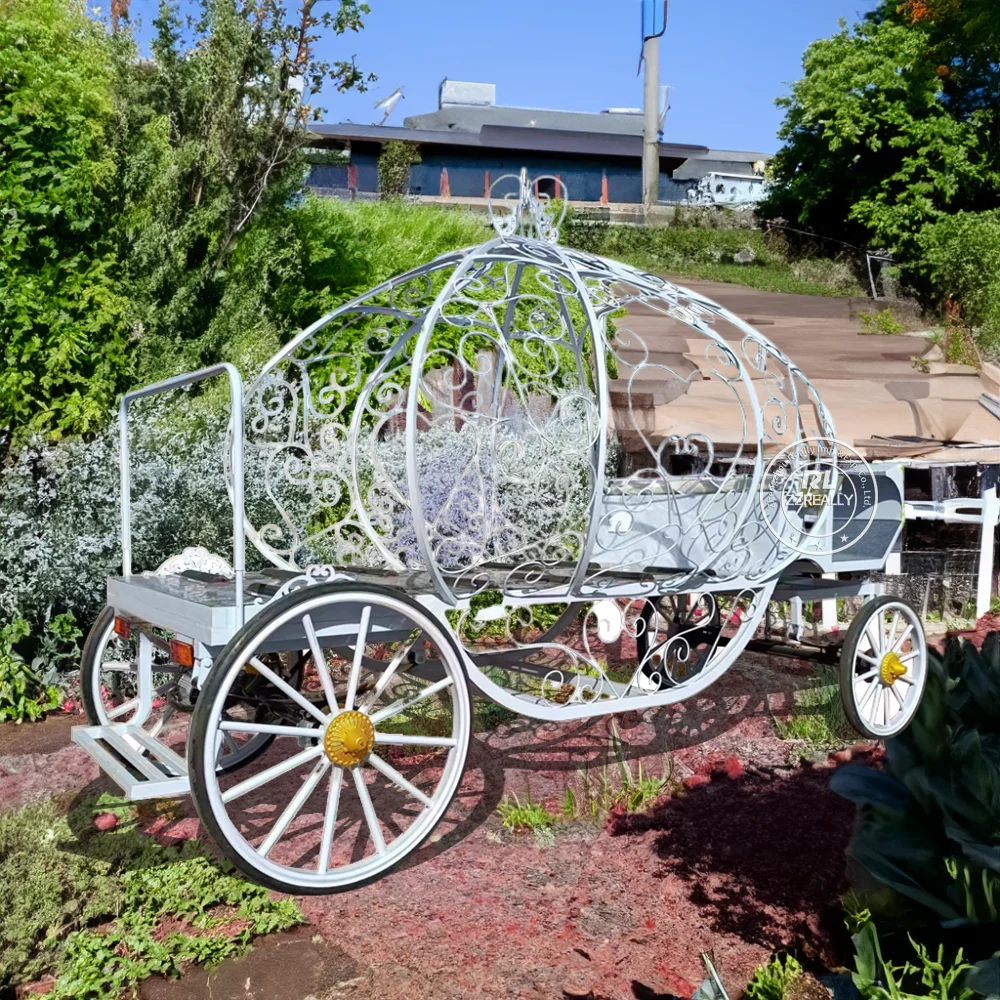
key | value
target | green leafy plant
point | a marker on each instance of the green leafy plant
(930, 977)
(103, 911)
(57, 655)
(929, 824)
(63, 333)
(22, 697)
(393, 165)
(882, 322)
(518, 816)
(775, 980)
(872, 151)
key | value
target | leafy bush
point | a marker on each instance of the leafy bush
(394, 164)
(929, 825)
(837, 273)
(289, 272)
(62, 318)
(22, 696)
(667, 248)
(960, 260)
(60, 513)
(882, 322)
(932, 976)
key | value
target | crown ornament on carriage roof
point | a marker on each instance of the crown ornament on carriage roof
(529, 211)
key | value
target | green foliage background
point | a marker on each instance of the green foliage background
(63, 334)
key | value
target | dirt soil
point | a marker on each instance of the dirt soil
(746, 859)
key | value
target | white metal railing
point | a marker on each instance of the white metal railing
(236, 458)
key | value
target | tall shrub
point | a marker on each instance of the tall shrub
(212, 130)
(62, 331)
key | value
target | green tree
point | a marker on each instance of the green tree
(212, 130)
(62, 331)
(872, 151)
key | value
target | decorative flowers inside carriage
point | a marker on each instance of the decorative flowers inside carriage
(480, 472)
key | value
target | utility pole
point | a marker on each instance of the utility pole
(652, 28)
(651, 125)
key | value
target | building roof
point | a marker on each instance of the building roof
(507, 137)
(472, 118)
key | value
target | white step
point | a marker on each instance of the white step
(138, 763)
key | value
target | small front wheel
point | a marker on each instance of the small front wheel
(883, 668)
(366, 758)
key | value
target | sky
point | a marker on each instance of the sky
(726, 60)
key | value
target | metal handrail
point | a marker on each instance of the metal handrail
(236, 494)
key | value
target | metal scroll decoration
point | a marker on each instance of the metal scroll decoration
(496, 422)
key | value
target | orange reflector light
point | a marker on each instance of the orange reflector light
(182, 653)
(123, 627)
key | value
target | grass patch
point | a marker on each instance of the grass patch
(816, 716)
(713, 255)
(101, 911)
(766, 277)
(527, 816)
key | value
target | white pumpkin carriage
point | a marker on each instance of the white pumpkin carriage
(479, 473)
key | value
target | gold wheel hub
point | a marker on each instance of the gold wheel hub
(891, 669)
(349, 738)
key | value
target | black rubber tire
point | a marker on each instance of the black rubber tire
(201, 718)
(847, 651)
(90, 660)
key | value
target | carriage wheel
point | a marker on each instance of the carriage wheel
(675, 636)
(109, 689)
(883, 668)
(359, 773)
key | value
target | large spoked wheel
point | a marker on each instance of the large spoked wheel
(110, 691)
(883, 668)
(360, 771)
(108, 678)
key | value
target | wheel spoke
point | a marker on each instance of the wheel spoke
(125, 706)
(359, 655)
(895, 624)
(294, 807)
(898, 644)
(401, 706)
(229, 743)
(873, 686)
(875, 643)
(907, 657)
(895, 694)
(319, 659)
(310, 753)
(387, 675)
(405, 740)
(266, 727)
(397, 779)
(286, 688)
(330, 819)
(369, 810)
(867, 658)
(868, 676)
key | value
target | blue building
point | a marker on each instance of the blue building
(470, 141)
